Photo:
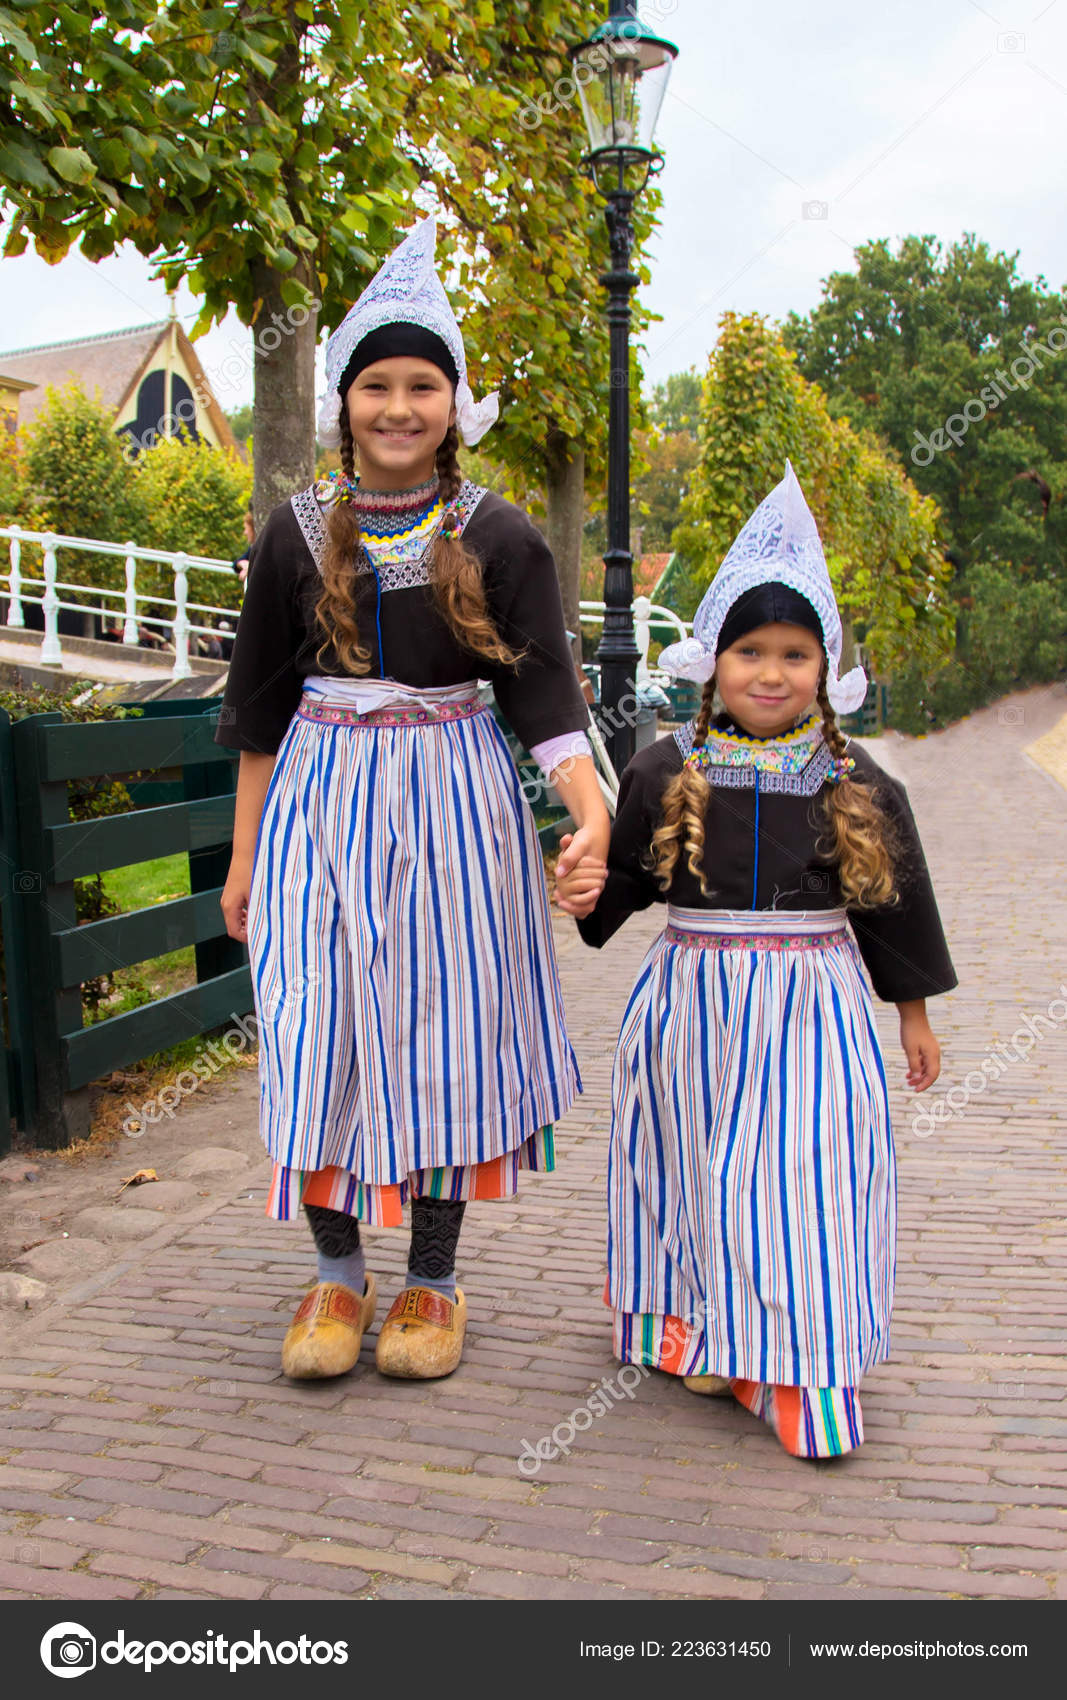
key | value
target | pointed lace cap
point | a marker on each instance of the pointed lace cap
(405, 290)
(779, 542)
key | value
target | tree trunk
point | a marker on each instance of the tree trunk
(565, 497)
(283, 412)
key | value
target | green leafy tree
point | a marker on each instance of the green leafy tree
(676, 403)
(880, 535)
(268, 154)
(14, 498)
(79, 484)
(240, 419)
(193, 497)
(956, 362)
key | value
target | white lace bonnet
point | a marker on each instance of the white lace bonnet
(406, 290)
(780, 542)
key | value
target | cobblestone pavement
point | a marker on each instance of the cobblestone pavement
(152, 1449)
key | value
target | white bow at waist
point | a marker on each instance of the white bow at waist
(366, 696)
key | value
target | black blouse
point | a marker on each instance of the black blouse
(903, 945)
(277, 635)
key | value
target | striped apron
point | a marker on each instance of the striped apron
(411, 1028)
(752, 1181)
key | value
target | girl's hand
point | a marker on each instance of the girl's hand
(920, 1046)
(578, 888)
(589, 841)
(234, 902)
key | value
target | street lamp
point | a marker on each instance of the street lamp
(622, 73)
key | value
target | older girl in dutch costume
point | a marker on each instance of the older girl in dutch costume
(386, 868)
(752, 1187)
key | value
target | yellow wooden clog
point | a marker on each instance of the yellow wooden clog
(327, 1331)
(422, 1337)
(715, 1384)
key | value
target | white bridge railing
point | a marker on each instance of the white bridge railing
(646, 615)
(178, 626)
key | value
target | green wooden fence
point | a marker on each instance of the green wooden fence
(51, 1055)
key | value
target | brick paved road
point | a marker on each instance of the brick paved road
(153, 1451)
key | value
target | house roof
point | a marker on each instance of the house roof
(110, 363)
(647, 572)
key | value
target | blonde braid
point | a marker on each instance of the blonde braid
(860, 838)
(685, 805)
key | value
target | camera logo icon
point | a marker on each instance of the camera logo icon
(68, 1649)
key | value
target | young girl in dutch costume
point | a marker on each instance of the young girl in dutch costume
(752, 1186)
(386, 872)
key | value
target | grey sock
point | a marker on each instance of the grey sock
(337, 1246)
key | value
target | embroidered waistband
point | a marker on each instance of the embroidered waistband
(755, 929)
(329, 713)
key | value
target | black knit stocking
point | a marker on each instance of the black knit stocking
(435, 1225)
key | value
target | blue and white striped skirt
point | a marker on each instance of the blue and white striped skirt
(752, 1181)
(409, 1007)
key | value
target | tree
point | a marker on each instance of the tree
(269, 155)
(880, 535)
(956, 362)
(676, 403)
(76, 475)
(240, 419)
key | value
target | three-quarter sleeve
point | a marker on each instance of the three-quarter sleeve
(631, 884)
(541, 698)
(264, 685)
(903, 945)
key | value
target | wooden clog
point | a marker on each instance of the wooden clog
(715, 1384)
(422, 1337)
(327, 1331)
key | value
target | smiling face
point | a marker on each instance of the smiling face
(399, 410)
(769, 678)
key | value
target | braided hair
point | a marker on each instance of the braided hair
(685, 804)
(859, 837)
(456, 574)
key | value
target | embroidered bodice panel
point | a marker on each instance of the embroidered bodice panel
(797, 764)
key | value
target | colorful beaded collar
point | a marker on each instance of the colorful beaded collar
(391, 512)
(798, 762)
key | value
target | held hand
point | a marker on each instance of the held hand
(589, 841)
(921, 1049)
(578, 889)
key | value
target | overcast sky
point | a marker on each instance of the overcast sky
(792, 135)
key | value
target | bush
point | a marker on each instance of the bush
(1012, 633)
(76, 475)
(193, 497)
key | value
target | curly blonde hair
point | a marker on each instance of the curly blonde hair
(456, 574)
(858, 837)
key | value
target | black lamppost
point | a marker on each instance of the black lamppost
(622, 73)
